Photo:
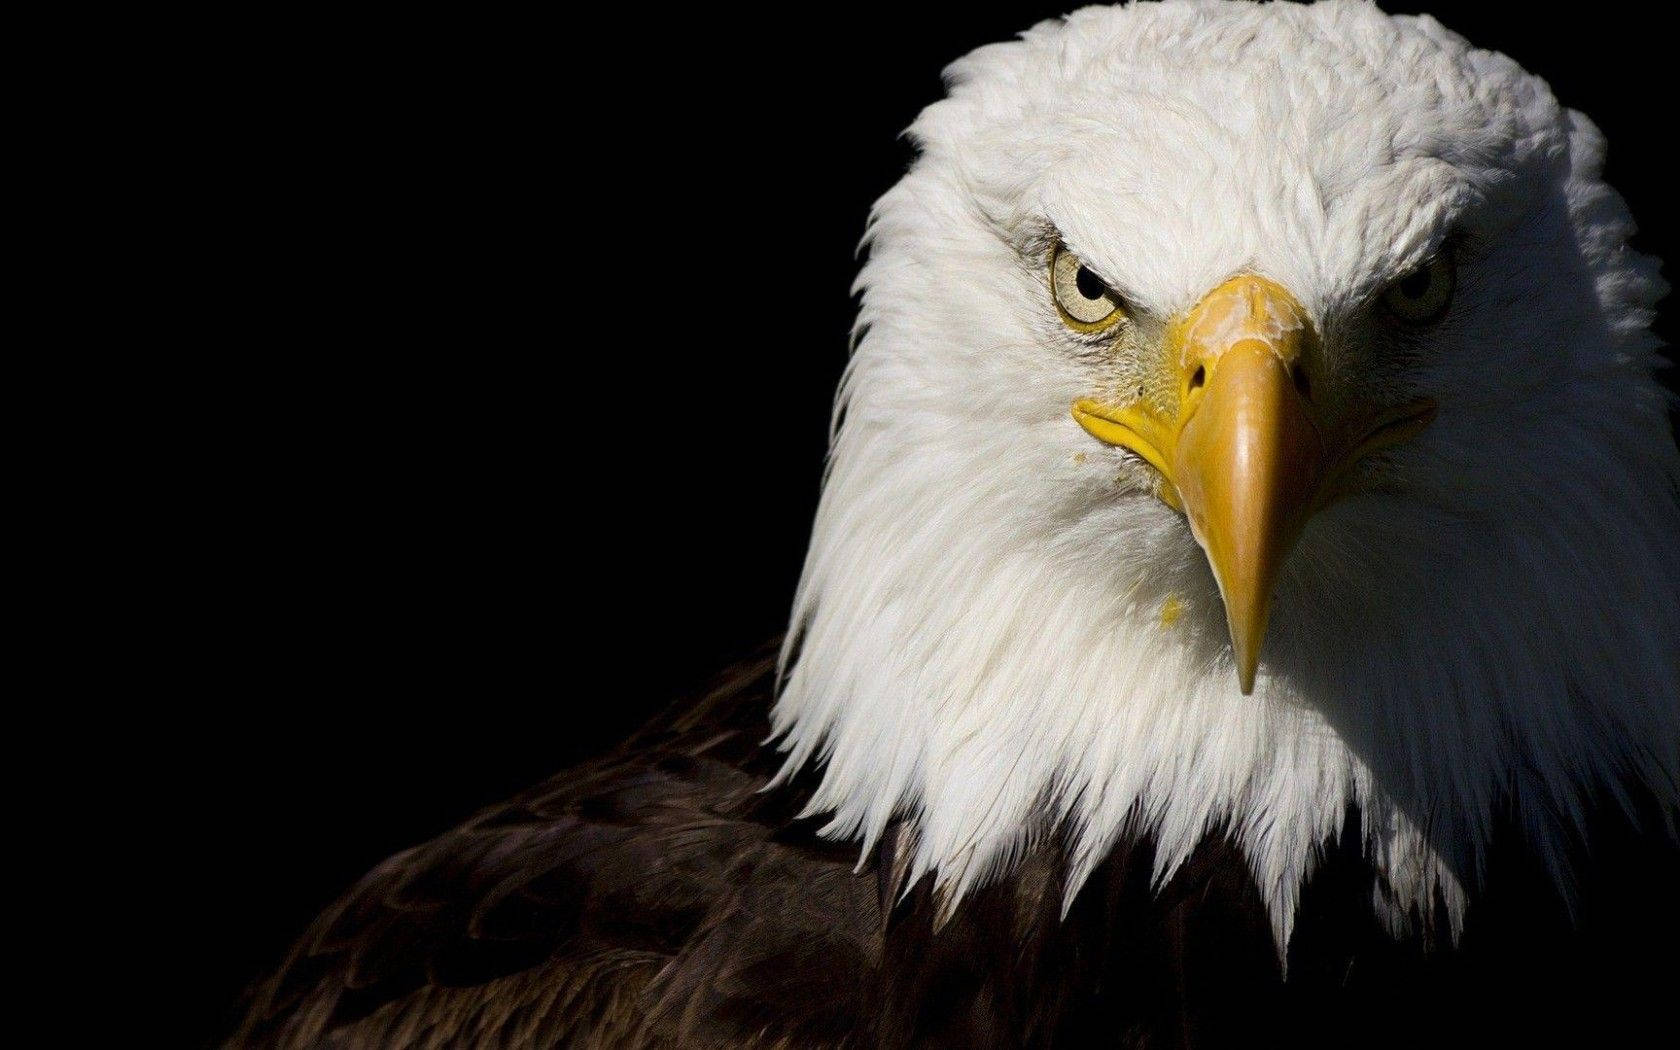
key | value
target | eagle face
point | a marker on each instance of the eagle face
(1251, 417)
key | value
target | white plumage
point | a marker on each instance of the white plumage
(1002, 634)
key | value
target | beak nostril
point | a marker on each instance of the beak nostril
(1198, 378)
(1302, 383)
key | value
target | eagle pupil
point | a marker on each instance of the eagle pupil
(1415, 285)
(1090, 285)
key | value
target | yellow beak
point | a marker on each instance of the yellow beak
(1245, 455)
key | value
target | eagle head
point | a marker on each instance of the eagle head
(1251, 417)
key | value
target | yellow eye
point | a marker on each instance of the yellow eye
(1084, 301)
(1423, 295)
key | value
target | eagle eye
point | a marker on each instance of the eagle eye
(1085, 302)
(1422, 296)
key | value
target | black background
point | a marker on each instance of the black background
(452, 521)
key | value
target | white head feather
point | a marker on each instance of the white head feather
(978, 642)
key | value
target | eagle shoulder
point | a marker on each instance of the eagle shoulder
(653, 897)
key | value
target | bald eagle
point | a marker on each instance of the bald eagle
(1243, 605)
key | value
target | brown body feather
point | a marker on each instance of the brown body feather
(658, 897)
